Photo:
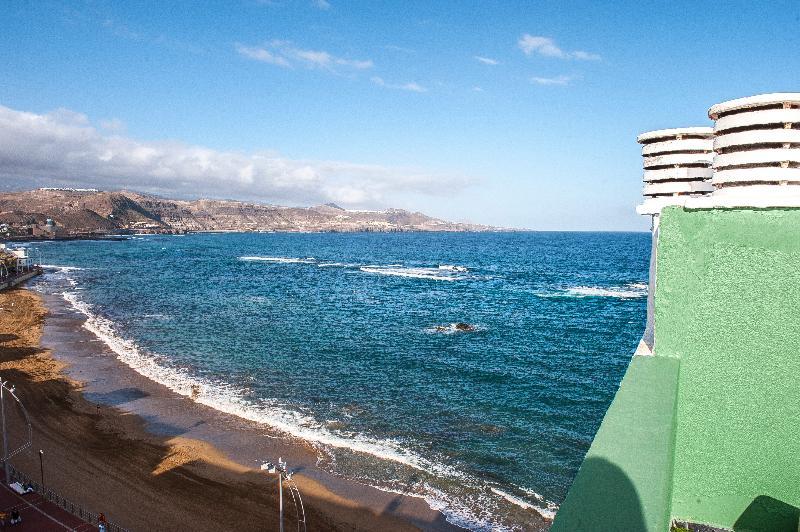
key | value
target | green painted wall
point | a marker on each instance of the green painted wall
(728, 306)
(624, 481)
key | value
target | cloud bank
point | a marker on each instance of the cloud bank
(63, 148)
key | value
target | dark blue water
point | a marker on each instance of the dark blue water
(334, 337)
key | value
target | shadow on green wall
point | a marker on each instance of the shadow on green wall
(602, 498)
(766, 514)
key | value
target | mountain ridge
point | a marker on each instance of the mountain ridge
(76, 212)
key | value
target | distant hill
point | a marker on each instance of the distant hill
(91, 212)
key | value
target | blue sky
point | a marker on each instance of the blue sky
(520, 114)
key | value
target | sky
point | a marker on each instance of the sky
(515, 114)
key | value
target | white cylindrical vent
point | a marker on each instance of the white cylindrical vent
(757, 150)
(677, 166)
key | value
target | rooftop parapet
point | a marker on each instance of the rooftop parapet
(677, 166)
(757, 151)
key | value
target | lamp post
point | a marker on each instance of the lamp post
(6, 454)
(280, 469)
(41, 466)
(5, 437)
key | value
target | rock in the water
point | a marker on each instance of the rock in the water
(461, 326)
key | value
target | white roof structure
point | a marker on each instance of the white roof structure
(677, 166)
(757, 152)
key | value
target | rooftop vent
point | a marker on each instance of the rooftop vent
(757, 145)
(677, 166)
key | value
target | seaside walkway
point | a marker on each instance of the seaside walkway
(38, 513)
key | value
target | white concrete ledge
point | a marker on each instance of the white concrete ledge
(754, 196)
(757, 136)
(678, 159)
(757, 118)
(671, 134)
(670, 174)
(759, 100)
(750, 175)
(677, 146)
(767, 156)
(678, 187)
(654, 205)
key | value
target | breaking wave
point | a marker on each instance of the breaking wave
(435, 274)
(627, 291)
(281, 260)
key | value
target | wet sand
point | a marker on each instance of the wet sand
(150, 459)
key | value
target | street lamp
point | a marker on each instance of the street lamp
(4, 386)
(283, 474)
(41, 466)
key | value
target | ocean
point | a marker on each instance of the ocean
(349, 341)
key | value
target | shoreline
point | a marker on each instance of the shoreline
(159, 459)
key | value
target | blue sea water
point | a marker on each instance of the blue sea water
(347, 340)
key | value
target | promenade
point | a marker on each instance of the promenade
(36, 512)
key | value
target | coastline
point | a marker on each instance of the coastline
(149, 458)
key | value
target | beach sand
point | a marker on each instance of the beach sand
(149, 459)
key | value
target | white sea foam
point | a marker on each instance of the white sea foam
(627, 291)
(435, 274)
(452, 328)
(453, 268)
(281, 260)
(548, 512)
(61, 268)
(338, 265)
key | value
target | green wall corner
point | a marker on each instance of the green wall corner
(624, 481)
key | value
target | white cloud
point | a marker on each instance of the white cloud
(64, 149)
(487, 60)
(282, 53)
(547, 47)
(411, 86)
(322, 4)
(585, 56)
(262, 54)
(557, 80)
(114, 125)
(477, 89)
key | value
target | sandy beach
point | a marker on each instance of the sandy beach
(150, 459)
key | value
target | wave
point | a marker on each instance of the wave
(453, 268)
(281, 260)
(627, 291)
(338, 265)
(61, 268)
(435, 274)
(549, 512)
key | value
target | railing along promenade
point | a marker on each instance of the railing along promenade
(65, 504)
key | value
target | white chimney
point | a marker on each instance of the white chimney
(757, 145)
(677, 166)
